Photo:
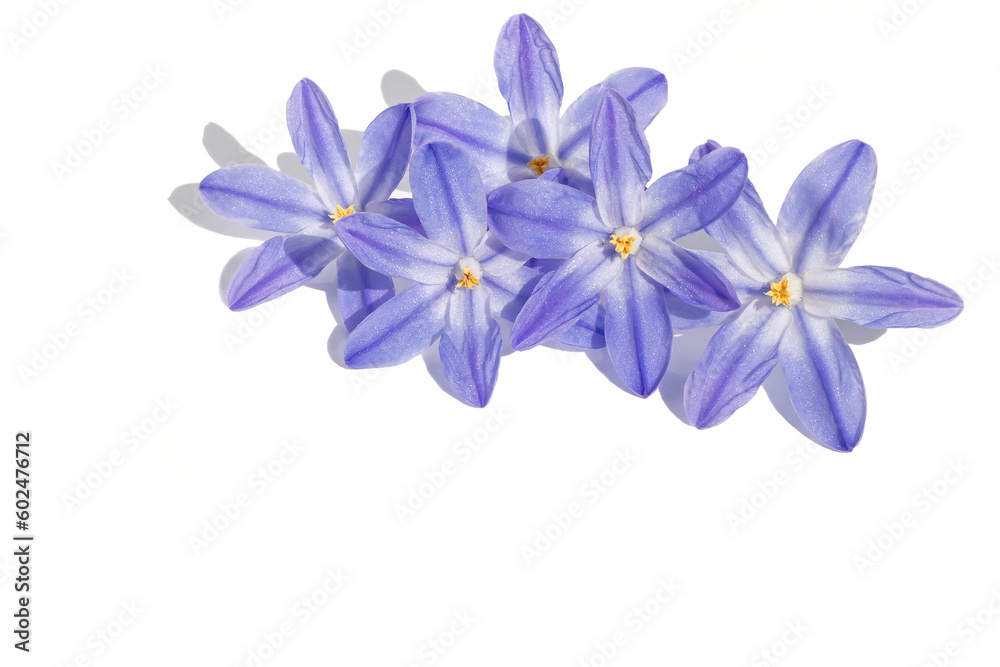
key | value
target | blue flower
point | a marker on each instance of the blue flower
(620, 244)
(792, 291)
(260, 197)
(535, 139)
(463, 278)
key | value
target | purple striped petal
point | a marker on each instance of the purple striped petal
(685, 274)
(586, 333)
(257, 196)
(738, 359)
(645, 89)
(448, 196)
(509, 291)
(360, 290)
(824, 381)
(826, 206)
(686, 200)
(385, 152)
(747, 233)
(479, 131)
(544, 219)
(392, 248)
(470, 346)
(619, 161)
(281, 264)
(747, 289)
(572, 288)
(403, 327)
(527, 69)
(880, 297)
(637, 329)
(397, 209)
(319, 144)
(497, 259)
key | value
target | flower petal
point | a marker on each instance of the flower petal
(827, 204)
(738, 359)
(497, 259)
(257, 196)
(747, 289)
(685, 274)
(400, 329)
(684, 201)
(319, 144)
(470, 346)
(385, 152)
(448, 196)
(747, 233)
(527, 69)
(880, 297)
(637, 329)
(360, 290)
(545, 219)
(587, 332)
(572, 288)
(481, 132)
(509, 291)
(824, 381)
(619, 161)
(281, 264)
(397, 209)
(644, 88)
(392, 248)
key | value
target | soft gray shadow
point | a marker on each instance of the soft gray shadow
(602, 360)
(688, 346)
(855, 334)
(400, 88)
(224, 149)
(187, 201)
(700, 240)
(288, 164)
(777, 392)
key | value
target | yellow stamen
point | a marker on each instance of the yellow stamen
(623, 244)
(341, 212)
(539, 165)
(779, 293)
(468, 280)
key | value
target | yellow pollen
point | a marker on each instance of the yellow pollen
(341, 212)
(539, 165)
(779, 293)
(623, 244)
(468, 280)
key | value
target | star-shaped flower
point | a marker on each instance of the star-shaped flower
(535, 140)
(620, 244)
(263, 198)
(793, 322)
(463, 278)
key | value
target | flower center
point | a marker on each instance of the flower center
(539, 165)
(341, 212)
(788, 292)
(468, 271)
(626, 241)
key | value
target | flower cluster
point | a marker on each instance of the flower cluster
(549, 220)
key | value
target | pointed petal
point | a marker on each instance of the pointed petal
(448, 196)
(746, 231)
(644, 88)
(573, 288)
(824, 381)
(685, 274)
(880, 297)
(496, 258)
(637, 330)
(385, 152)
(738, 359)
(619, 161)
(686, 200)
(587, 332)
(259, 197)
(470, 346)
(360, 290)
(400, 329)
(827, 204)
(319, 144)
(528, 74)
(392, 248)
(544, 219)
(281, 264)
(747, 289)
(479, 131)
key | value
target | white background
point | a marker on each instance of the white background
(368, 439)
